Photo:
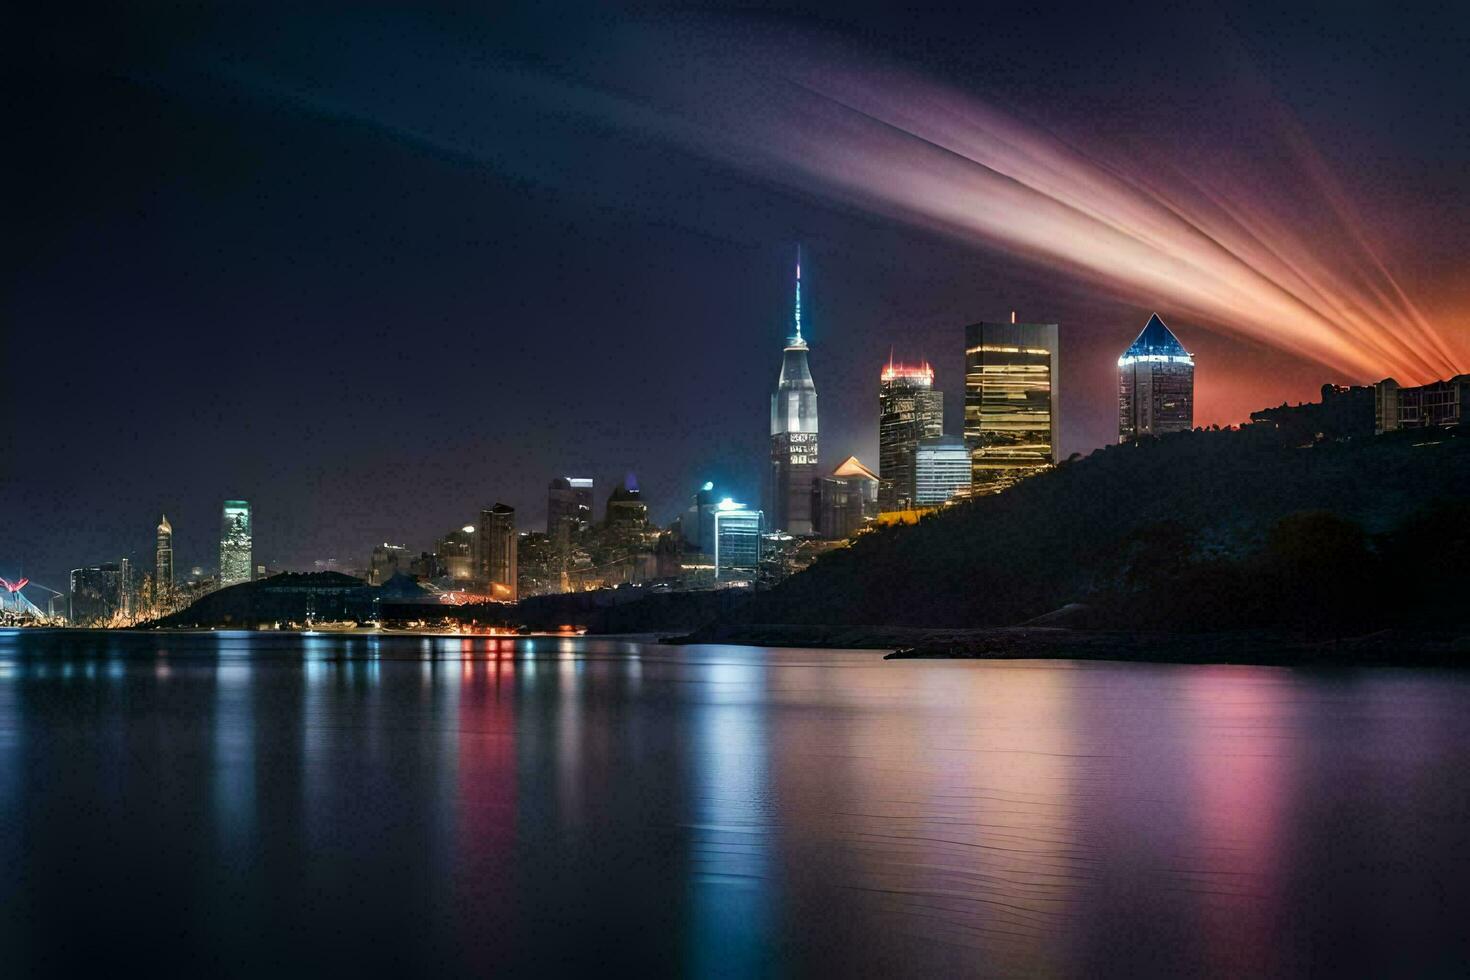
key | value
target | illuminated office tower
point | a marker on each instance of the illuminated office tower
(737, 542)
(1011, 402)
(793, 469)
(909, 409)
(163, 561)
(234, 543)
(497, 544)
(941, 470)
(1155, 384)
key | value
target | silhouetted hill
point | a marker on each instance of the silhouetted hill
(1143, 531)
(287, 597)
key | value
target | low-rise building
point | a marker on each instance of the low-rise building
(1438, 403)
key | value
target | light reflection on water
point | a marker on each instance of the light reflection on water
(405, 804)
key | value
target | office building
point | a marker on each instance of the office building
(697, 523)
(1155, 384)
(497, 545)
(1012, 373)
(456, 554)
(909, 409)
(127, 601)
(794, 455)
(386, 562)
(235, 543)
(568, 508)
(163, 561)
(846, 500)
(942, 470)
(625, 504)
(95, 595)
(737, 531)
(1435, 404)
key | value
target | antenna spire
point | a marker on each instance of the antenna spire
(798, 292)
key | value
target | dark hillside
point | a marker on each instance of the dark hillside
(1108, 524)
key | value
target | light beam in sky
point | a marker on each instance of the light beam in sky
(1260, 242)
(1213, 246)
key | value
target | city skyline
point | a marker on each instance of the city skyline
(453, 269)
(705, 489)
(570, 502)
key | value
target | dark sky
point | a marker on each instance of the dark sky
(373, 270)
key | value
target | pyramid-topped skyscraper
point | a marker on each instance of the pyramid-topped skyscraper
(1155, 384)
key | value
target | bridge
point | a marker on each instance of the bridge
(16, 609)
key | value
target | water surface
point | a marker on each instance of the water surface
(255, 803)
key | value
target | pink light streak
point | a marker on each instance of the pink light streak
(1226, 249)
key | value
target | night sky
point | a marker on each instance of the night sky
(375, 270)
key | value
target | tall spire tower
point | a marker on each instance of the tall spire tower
(163, 559)
(793, 468)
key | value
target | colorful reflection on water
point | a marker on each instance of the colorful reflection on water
(258, 803)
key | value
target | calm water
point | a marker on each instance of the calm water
(238, 803)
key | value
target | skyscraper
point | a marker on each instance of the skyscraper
(95, 595)
(1011, 401)
(942, 470)
(234, 543)
(568, 508)
(737, 542)
(909, 409)
(457, 553)
(497, 543)
(625, 504)
(697, 523)
(163, 561)
(794, 456)
(1155, 384)
(126, 600)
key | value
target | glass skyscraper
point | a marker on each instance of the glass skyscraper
(737, 542)
(1155, 384)
(909, 409)
(794, 457)
(1011, 403)
(941, 470)
(235, 543)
